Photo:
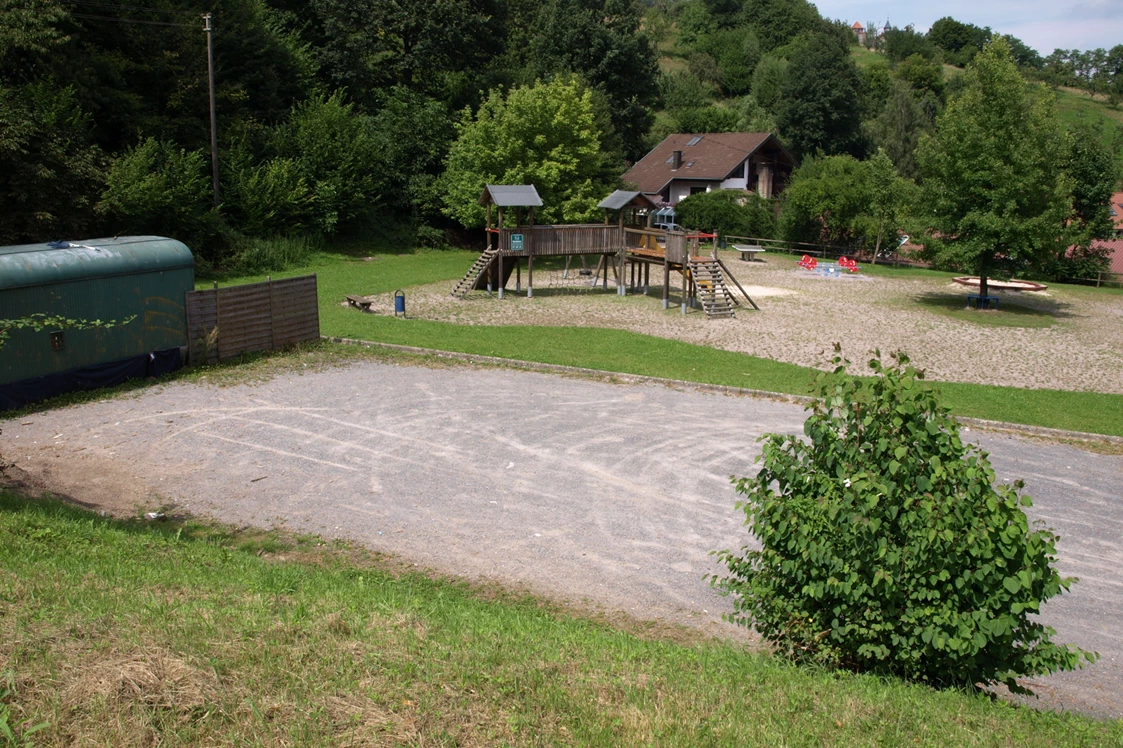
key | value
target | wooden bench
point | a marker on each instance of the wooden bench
(747, 250)
(982, 302)
(359, 302)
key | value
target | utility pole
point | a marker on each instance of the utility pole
(207, 27)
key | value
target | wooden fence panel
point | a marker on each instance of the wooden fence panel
(227, 322)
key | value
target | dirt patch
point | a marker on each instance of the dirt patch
(803, 314)
(155, 679)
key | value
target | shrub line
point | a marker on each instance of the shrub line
(978, 423)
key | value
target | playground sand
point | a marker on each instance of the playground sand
(803, 314)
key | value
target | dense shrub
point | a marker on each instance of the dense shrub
(729, 213)
(271, 198)
(48, 169)
(887, 547)
(255, 256)
(158, 188)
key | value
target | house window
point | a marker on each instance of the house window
(695, 140)
(696, 190)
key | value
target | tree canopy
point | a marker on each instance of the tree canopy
(545, 135)
(993, 173)
(818, 110)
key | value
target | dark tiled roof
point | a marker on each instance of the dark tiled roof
(712, 157)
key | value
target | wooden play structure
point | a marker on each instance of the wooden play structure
(628, 245)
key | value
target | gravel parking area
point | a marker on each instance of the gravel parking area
(803, 314)
(604, 495)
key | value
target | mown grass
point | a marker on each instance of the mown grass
(126, 633)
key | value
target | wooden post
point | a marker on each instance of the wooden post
(528, 243)
(530, 277)
(499, 259)
(685, 283)
(604, 261)
(518, 275)
(666, 283)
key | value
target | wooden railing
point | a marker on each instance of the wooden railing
(561, 240)
(1103, 278)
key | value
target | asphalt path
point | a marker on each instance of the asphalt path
(607, 495)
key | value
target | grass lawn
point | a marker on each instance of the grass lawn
(633, 353)
(131, 633)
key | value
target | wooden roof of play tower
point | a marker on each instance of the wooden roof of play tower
(511, 196)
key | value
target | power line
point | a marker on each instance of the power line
(92, 4)
(131, 20)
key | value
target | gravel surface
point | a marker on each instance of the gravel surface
(803, 314)
(605, 495)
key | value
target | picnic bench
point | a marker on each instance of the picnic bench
(747, 250)
(359, 302)
(982, 302)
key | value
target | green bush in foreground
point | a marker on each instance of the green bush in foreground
(888, 548)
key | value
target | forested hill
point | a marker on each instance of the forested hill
(338, 115)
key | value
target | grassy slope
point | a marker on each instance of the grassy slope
(633, 353)
(128, 634)
(1073, 105)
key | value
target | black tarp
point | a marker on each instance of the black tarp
(154, 364)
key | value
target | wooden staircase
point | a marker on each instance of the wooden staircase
(717, 301)
(472, 277)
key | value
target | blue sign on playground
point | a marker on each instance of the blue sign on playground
(516, 242)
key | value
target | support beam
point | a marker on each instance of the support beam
(666, 284)
(530, 277)
(736, 283)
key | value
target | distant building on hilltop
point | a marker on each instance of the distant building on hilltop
(860, 32)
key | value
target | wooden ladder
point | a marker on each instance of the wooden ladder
(468, 282)
(717, 301)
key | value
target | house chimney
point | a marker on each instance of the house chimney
(676, 159)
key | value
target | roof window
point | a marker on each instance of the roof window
(694, 141)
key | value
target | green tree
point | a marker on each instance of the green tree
(729, 213)
(768, 82)
(959, 41)
(157, 188)
(826, 201)
(778, 22)
(601, 41)
(887, 547)
(993, 173)
(436, 47)
(899, 126)
(900, 44)
(545, 135)
(889, 197)
(414, 133)
(50, 173)
(1094, 175)
(29, 31)
(819, 110)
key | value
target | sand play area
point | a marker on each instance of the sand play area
(1065, 337)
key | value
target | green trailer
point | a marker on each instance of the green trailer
(143, 279)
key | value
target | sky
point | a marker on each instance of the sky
(1044, 25)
